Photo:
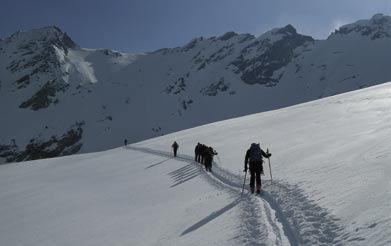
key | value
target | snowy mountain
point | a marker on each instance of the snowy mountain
(58, 98)
(331, 184)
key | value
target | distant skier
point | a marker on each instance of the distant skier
(125, 142)
(175, 147)
(254, 159)
(209, 153)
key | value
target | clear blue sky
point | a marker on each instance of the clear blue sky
(146, 25)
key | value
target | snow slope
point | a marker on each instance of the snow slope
(330, 185)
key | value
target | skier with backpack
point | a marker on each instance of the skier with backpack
(175, 147)
(209, 153)
(254, 160)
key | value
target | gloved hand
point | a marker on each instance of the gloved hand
(270, 154)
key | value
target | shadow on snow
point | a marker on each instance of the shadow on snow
(156, 164)
(184, 174)
(211, 217)
(304, 222)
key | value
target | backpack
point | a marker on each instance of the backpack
(255, 153)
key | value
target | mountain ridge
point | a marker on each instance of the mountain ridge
(62, 99)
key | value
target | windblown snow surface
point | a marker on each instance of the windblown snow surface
(331, 186)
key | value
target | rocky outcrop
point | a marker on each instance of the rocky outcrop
(271, 56)
(67, 144)
(45, 96)
(215, 88)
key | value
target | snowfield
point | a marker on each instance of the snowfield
(331, 167)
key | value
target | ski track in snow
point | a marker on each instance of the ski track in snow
(282, 215)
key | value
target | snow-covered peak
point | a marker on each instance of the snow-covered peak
(381, 18)
(263, 60)
(191, 44)
(277, 34)
(379, 26)
(227, 38)
(51, 35)
(228, 35)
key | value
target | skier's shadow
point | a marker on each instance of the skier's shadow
(184, 174)
(156, 164)
(211, 217)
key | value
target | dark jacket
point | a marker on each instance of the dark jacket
(247, 157)
(209, 153)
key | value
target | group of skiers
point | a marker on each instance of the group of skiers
(204, 155)
(253, 161)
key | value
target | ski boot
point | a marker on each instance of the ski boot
(259, 190)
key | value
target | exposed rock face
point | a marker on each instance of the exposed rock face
(177, 87)
(215, 88)
(35, 61)
(37, 49)
(45, 96)
(23, 82)
(270, 57)
(67, 144)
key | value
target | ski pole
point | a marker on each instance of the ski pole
(218, 158)
(244, 182)
(270, 168)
